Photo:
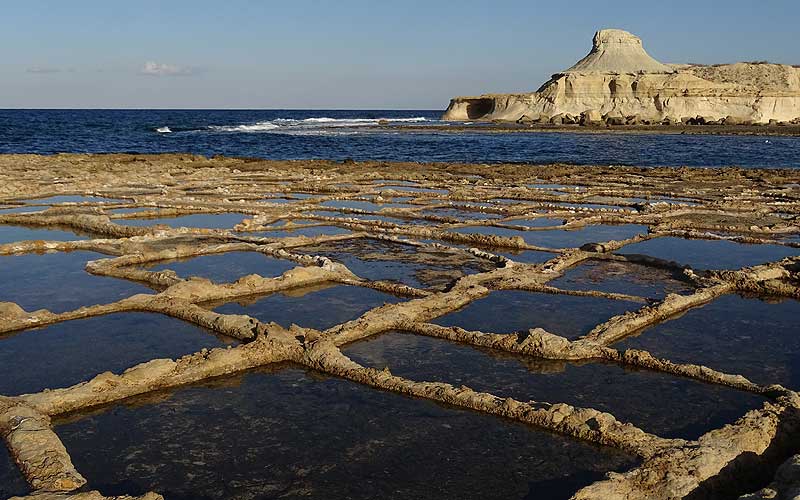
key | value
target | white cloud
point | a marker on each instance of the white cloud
(153, 68)
(42, 69)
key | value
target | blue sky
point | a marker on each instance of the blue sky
(347, 53)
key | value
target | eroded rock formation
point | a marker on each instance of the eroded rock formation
(620, 83)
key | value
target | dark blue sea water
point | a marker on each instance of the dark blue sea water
(339, 134)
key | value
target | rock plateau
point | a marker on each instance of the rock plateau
(619, 83)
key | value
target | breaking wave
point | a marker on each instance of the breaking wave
(322, 125)
(307, 125)
(255, 127)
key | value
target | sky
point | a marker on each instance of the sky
(347, 54)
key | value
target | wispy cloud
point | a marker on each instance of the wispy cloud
(152, 68)
(43, 69)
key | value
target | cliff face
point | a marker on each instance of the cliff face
(618, 78)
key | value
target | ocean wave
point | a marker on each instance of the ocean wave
(255, 127)
(348, 122)
(322, 125)
(310, 125)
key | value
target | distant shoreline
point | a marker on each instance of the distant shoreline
(511, 127)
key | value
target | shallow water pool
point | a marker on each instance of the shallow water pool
(319, 307)
(300, 231)
(622, 277)
(13, 234)
(226, 267)
(12, 483)
(64, 354)
(510, 311)
(204, 221)
(23, 209)
(293, 434)
(59, 282)
(750, 337)
(663, 404)
(413, 266)
(709, 254)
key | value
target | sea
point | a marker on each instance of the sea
(343, 134)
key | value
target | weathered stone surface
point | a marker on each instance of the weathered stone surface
(742, 205)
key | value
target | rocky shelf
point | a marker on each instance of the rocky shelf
(508, 227)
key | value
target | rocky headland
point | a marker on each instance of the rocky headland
(619, 83)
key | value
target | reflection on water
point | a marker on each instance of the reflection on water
(622, 277)
(204, 221)
(226, 267)
(59, 282)
(383, 260)
(751, 337)
(11, 481)
(13, 234)
(17, 210)
(282, 200)
(301, 231)
(525, 256)
(537, 222)
(66, 353)
(666, 405)
(130, 210)
(319, 308)
(293, 434)
(460, 214)
(509, 311)
(709, 254)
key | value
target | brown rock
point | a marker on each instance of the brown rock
(591, 117)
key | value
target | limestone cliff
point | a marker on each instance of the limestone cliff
(619, 79)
